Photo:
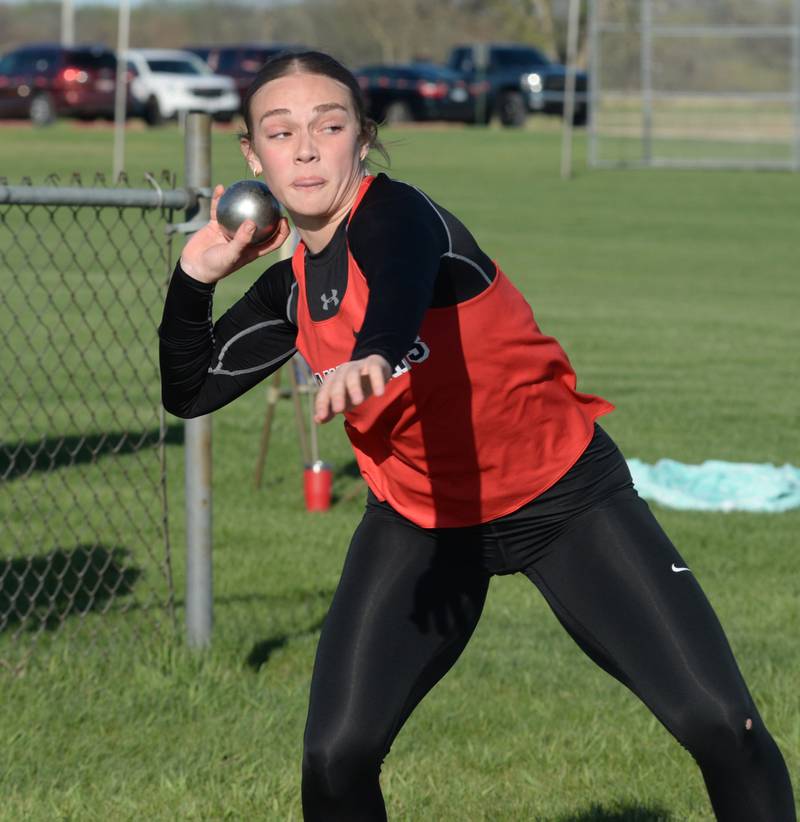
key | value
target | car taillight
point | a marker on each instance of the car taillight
(428, 89)
(73, 75)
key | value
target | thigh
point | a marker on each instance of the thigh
(627, 597)
(406, 604)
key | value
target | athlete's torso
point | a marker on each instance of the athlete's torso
(481, 414)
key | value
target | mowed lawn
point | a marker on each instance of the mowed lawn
(676, 296)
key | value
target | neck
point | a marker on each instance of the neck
(316, 231)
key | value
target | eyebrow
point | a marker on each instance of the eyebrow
(320, 109)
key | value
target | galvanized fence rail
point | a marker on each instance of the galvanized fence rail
(85, 552)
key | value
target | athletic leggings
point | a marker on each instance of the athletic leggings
(409, 599)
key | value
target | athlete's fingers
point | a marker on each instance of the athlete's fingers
(322, 409)
(216, 194)
(352, 380)
(377, 377)
(277, 240)
(338, 391)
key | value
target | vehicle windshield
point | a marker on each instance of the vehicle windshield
(175, 66)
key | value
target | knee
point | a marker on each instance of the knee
(721, 734)
(335, 769)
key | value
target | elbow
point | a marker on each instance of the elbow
(183, 410)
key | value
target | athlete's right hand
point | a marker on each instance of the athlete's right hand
(209, 255)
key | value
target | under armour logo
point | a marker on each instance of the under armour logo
(334, 298)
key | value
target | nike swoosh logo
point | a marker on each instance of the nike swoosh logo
(678, 570)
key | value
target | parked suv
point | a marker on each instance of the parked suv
(165, 82)
(519, 79)
(241, 62)
(397, 93)
(45, 81)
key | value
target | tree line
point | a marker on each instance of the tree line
(355, 31)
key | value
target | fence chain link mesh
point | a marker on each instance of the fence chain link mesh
(695, 83)
(85, 549)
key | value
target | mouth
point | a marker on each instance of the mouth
(308, 183)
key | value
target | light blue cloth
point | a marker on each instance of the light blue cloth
(716, 485)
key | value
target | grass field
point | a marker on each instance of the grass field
(676, 296)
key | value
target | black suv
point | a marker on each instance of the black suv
(241, 61)
(518, 79)
(399, 93)
(45, 81)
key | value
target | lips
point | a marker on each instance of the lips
(306, 183)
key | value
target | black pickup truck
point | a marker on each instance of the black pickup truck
(516, 79)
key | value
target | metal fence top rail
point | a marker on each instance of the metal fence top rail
(702, 31)
(119, 197)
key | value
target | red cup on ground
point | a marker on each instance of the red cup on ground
(317, 486)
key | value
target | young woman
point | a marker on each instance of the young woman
(480, 455)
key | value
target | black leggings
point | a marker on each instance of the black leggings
(409, 599)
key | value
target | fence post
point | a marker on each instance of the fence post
(796, 82)
(197, 442)
(594, 82)
(646, 27)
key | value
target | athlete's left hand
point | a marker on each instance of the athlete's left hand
(351, 384)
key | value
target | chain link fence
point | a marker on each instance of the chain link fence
(698, 83)
(85, 552)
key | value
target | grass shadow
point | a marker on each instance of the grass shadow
(619, 813)
(261, 652)
(43, 591)
(26, 457)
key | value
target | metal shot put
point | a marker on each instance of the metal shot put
(249, 200)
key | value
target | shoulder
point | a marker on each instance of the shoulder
(392, 208)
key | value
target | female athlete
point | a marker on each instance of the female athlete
(480, 455)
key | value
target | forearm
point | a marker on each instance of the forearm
(205, 366)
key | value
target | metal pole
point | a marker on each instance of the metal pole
(569, 89)
(647, 81)
(796, 82)
(199, 605)
(594, 82)
(480, 54)
(67, 23)
(120, 94)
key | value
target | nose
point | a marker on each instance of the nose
(306, 149)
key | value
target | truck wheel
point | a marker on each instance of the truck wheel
(42, 112)
(152, 112)
(397, 112)
(511, 108)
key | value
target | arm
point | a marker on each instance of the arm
(399, 254)
(398, 245)
(205, 366)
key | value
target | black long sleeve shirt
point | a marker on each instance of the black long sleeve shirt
(413, 253)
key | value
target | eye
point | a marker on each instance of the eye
(277, 135)
(333, 127)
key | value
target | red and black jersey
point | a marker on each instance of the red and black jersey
(482, 414)
(480, 417)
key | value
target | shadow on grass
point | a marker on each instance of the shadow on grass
(26, 457)
(43, 591)
(262, 651)
(349, 469)
(619, 813)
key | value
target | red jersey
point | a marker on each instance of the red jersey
(480, 417)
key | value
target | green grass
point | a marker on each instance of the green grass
(675, 295)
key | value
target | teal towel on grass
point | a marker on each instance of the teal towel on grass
(716, 485)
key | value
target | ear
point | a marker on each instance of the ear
(249, 156)
(363, 153)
